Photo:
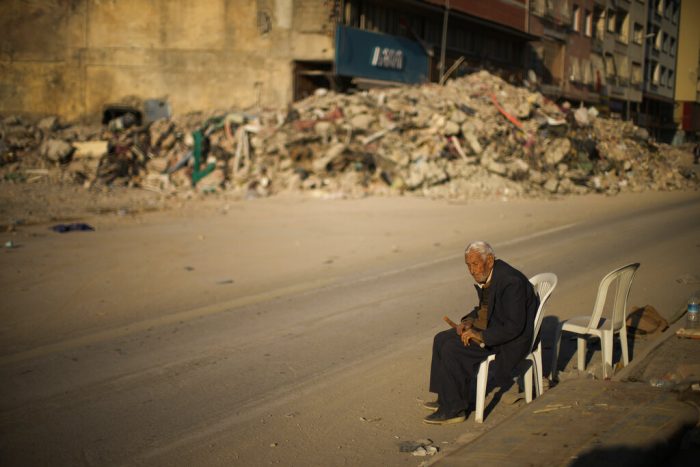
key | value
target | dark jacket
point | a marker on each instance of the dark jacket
(511, 317)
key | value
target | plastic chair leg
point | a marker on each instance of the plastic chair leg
(529, 375)
(606, 342)
(581, 352)
(623, 343)
(539, 370)
(481, 380)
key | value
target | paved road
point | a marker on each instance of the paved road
(319, 377)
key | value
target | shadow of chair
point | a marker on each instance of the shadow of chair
(596, 325)
(544, 284)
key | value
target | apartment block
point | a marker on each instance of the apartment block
(656, 112)
(687, 99)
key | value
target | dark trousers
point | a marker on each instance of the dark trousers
(452, 369)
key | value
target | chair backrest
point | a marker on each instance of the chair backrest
(544, 284)
(624, 276)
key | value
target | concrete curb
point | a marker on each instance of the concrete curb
(623, 374)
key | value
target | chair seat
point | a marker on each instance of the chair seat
(579, 325)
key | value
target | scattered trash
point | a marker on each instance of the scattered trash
(646, 320)
(9, 244)
(370, 420)
(63, 228)
(423, 451)
(667, 382)
(420, 448)
(692, 315)
(688, 333)
(688, 279)
(552, 408)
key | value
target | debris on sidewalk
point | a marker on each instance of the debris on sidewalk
(419, 448)
(688, 279)
(552, 408)
(477, 135)
(688, 333)
(370, 420)
(646, 320)
(79, 226)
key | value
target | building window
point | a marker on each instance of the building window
(663, 76)
(538, 7)
(611, 20)
(574, 73)
(588, 27)
(565, 11)
(660, 7)
(622, 25)
(656, 77)
(638, 33)
(657, 39)
(599, 18)
(636, 76)
(675, 12)
(672, 46)
(656, 73)
(670, 78)
(664, 43)
(622, 69)
(576, 18)
(587, 72)
(609, 66)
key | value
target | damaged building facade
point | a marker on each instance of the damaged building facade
(71, 58)
(75, 58)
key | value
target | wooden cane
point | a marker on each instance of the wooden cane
(455, 325)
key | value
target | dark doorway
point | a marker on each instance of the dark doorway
(309, 76)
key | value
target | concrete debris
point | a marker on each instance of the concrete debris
(56, 150)
(419, 448)
(475, 136)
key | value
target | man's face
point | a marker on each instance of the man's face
(478, 268)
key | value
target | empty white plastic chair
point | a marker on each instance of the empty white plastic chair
(597, 326)
(544, 284)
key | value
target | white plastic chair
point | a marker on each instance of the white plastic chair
(544, 284)
(595, 325)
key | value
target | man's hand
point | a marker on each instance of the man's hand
(464, 325)
(472, 335)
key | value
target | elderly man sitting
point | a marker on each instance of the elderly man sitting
(503, 322)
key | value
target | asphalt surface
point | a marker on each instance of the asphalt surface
(325, 374)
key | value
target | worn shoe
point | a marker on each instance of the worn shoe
(442, 418)
(432, 405)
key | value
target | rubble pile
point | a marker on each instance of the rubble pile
(475, 136)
